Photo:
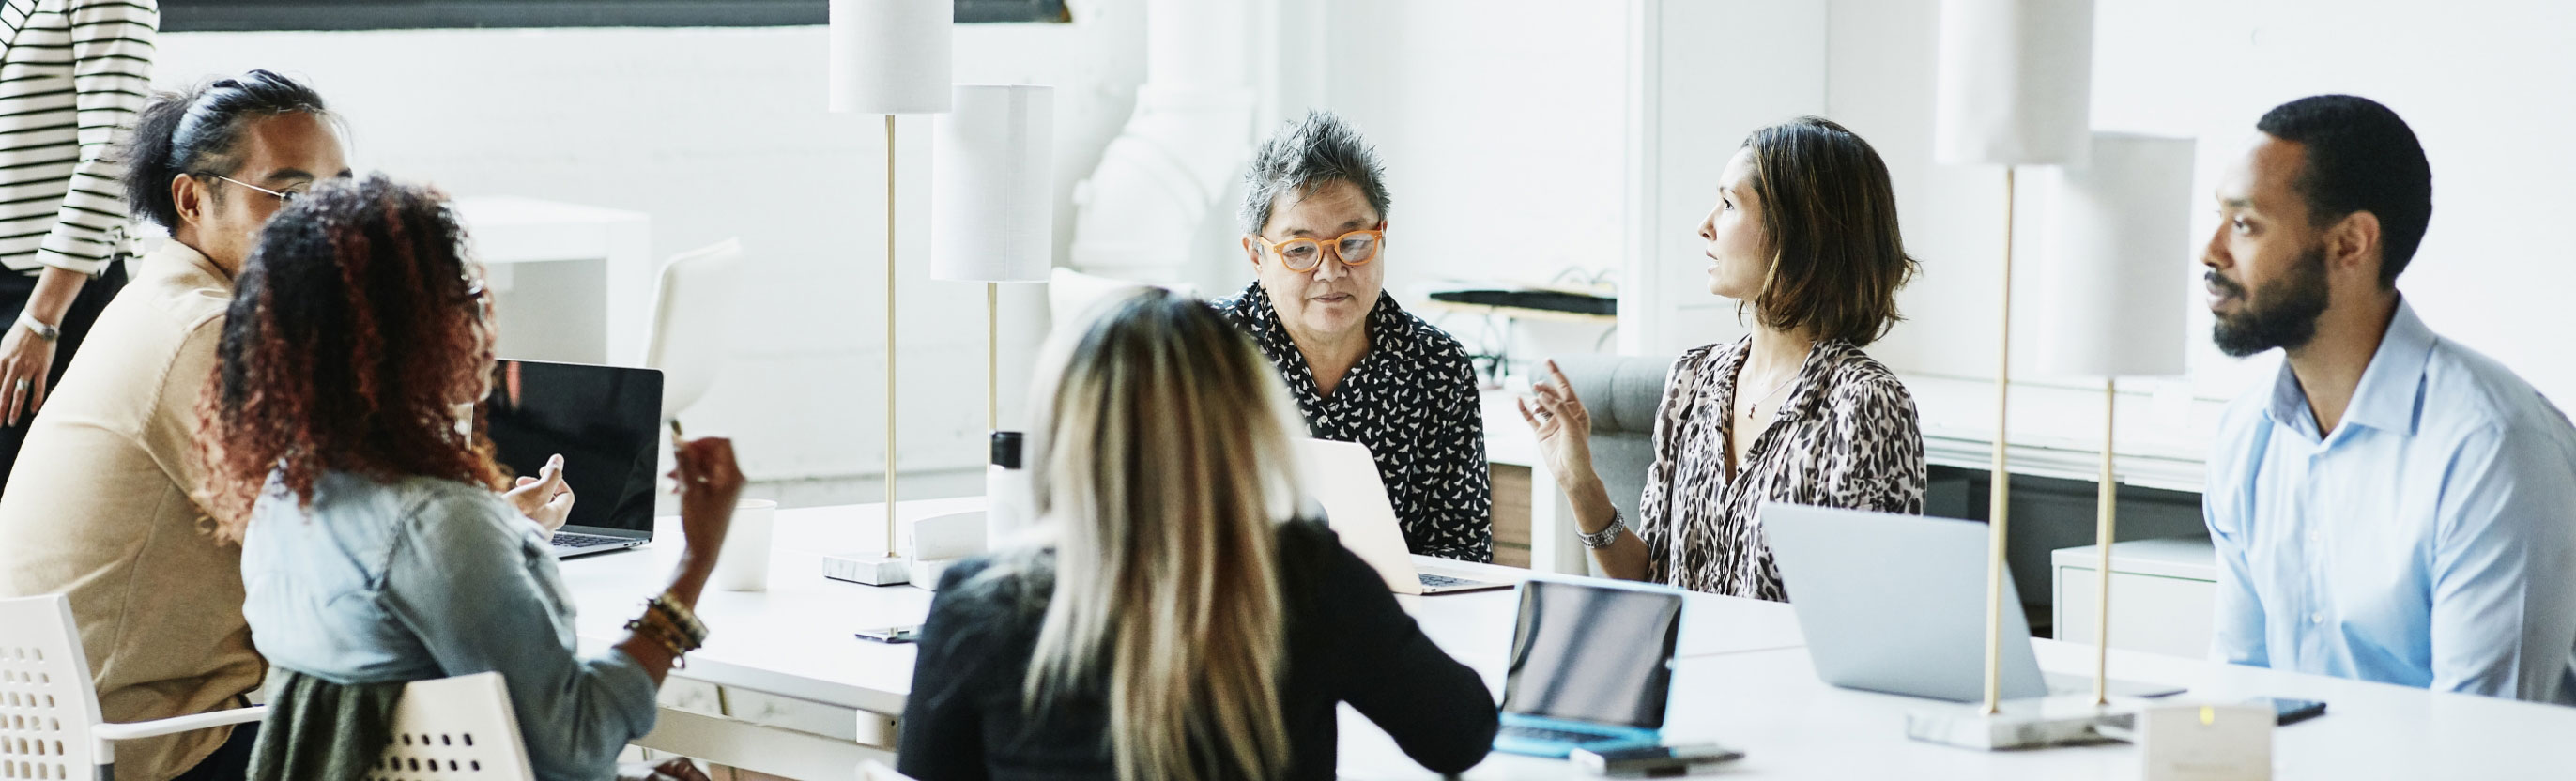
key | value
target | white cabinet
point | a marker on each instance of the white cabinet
(574, 283)
(2162, 592)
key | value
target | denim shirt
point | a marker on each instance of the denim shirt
(425, 578)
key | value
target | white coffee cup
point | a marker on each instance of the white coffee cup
(744, 566)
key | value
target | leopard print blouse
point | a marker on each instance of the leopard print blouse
(1846, 436)
(1412, 400)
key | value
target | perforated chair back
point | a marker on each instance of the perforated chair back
(47, 707)
(461, 727)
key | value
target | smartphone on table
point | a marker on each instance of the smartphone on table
(1653, 760)
(892, 634)
(2287, 711)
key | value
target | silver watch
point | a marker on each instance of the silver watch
(39, 328)
(1607, 536)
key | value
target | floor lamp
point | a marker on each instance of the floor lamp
(993, 219)
(2113, 269)
(889, 57)
(2014, 88)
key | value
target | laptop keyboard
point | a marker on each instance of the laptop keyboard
(574, 540)
(1552, 735)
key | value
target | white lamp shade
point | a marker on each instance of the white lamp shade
(2016, 82)
(993, 157)
(890, 56)
(2115, 260)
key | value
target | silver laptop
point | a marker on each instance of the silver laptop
(606, 422)
(1343, 478)
(1896, 604)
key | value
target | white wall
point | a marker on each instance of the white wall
(1501, 123)
(723, 132)
(1706, 74)
(2484, 85)
(1506, 126)
(1502, 126)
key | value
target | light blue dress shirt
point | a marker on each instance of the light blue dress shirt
(2429, 540)
(426, 578)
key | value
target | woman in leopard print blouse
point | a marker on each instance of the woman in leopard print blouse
(1805, 234)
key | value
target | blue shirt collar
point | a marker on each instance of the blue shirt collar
(2387, 398)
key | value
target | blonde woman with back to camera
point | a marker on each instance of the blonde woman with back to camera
(1172, 622)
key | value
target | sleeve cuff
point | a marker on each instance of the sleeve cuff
(630, 688)
(56, 259)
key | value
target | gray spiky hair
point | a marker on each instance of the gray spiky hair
(1306, 154)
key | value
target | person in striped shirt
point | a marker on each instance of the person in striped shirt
(72, 75)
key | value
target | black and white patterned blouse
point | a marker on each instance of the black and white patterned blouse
(1412, 400)
(1845, 436)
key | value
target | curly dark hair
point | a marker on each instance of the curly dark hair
(357, 328)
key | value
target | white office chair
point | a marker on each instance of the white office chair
(49, 722)
(461, 727)
(694, 314)
(1071, 294)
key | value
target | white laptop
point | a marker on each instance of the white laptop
(1896, 604)
(1343, 478)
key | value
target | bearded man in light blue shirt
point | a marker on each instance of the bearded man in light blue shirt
(2393, 506)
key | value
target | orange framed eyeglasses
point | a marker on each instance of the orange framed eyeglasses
(1304, 254)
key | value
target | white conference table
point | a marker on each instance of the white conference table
(1744, 680)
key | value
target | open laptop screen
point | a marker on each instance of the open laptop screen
(1593, 653)
(605, 421)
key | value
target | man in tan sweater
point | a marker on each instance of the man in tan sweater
(101, 506)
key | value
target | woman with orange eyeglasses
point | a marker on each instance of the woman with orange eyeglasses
(1361, 368)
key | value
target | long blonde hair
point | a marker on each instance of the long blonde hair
(1163, 466)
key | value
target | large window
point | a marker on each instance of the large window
(196, 15)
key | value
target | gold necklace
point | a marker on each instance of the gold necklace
(1754, 409)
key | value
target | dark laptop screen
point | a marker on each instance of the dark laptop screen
(605, 420)
(1594, 654)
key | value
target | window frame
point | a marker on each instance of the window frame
(341, 15)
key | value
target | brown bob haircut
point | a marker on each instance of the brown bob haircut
(1829, 216)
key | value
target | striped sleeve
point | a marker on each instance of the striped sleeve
(111, 49)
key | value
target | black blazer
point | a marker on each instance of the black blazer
(1348, 641)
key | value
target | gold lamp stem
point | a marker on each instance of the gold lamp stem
(992, 363)
(1999, 498)
(2107, 517)
(890, 343)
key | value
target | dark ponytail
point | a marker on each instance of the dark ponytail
(194, 133)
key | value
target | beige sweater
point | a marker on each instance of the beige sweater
(99, 508)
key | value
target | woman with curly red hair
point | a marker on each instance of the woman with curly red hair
(377, 545)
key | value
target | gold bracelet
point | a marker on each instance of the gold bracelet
(661, 622)
(652, 631)
(682, 618)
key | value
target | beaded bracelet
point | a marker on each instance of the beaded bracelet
(682, 618)
(655, 632)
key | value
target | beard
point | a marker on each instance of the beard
(2283, 315)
